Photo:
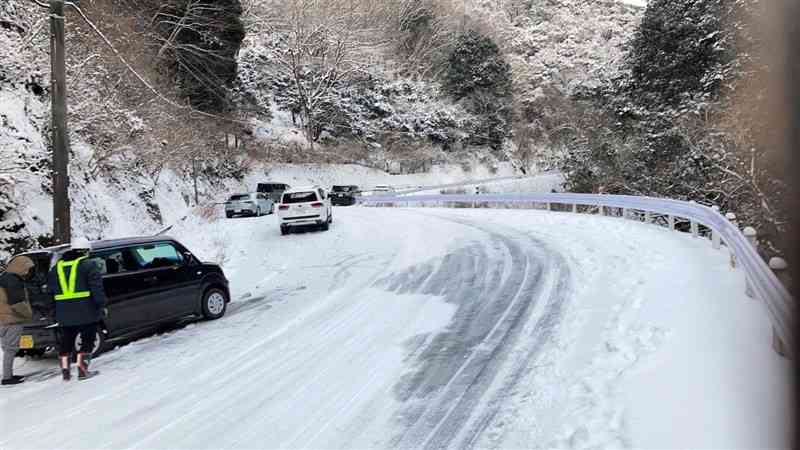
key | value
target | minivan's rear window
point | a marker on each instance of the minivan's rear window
(240, 197)
(300, 197)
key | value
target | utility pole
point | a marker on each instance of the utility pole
(194, 179)
(62, 232)
(464, 17)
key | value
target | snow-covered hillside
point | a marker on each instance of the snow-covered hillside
(455, 329)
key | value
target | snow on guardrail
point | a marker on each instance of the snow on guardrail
(763, 282)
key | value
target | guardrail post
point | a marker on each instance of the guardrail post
(671, 221)
(648, 217)
(575, 208)
(716, 240)
(779, 266)
(694, 225)
(549, 208)
(752, 236)
(624, 213)
(602, 210)
(732, 219)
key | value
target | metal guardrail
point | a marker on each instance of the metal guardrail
(761, 280)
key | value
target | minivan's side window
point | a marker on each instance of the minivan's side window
(116, 261)
(153, 256)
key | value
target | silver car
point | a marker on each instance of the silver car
(252, 204)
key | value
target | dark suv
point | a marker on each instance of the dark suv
(344, 195)
(149, 281)
(273, 190)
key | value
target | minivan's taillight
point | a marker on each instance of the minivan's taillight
(316, 205)
(284, 207)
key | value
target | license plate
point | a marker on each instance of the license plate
(25, 342)
(238, 210)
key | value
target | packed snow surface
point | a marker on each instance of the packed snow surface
(435, 328)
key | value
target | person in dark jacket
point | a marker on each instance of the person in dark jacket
(15, 310)
(77, 284)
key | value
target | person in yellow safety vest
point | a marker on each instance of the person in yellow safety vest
(77, 284)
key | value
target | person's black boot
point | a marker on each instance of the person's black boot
(83, 367)
(11, 381)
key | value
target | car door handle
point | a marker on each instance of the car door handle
(152, 279)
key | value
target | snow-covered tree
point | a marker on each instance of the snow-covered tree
(202, 39)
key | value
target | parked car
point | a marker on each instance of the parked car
(344, 195)
(382, 189)
(273, 190)
(252, 204)
(304, 207)
(150, 282)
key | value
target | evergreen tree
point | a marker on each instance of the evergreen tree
(684, 50)
(478, 75)
(476, 66)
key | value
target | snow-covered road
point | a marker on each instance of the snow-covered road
(436, 328)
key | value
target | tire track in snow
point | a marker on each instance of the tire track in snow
(456, 412)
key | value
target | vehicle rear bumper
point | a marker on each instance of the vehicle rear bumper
(240, 211)
(302, 220)
(342, 200)
(43, 337)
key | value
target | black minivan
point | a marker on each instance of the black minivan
(150, 282)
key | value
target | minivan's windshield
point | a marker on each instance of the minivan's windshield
(300, 197)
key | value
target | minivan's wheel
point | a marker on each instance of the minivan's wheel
(228, 215)
(214, 304)
(258, 212)
(284, 230)
(99, 342)
(325, 225)
(272, 208)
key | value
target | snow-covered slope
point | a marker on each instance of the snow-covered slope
(455, 328)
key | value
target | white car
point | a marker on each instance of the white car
(305, 206)
(251, 204)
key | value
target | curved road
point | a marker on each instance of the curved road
(398, 328)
